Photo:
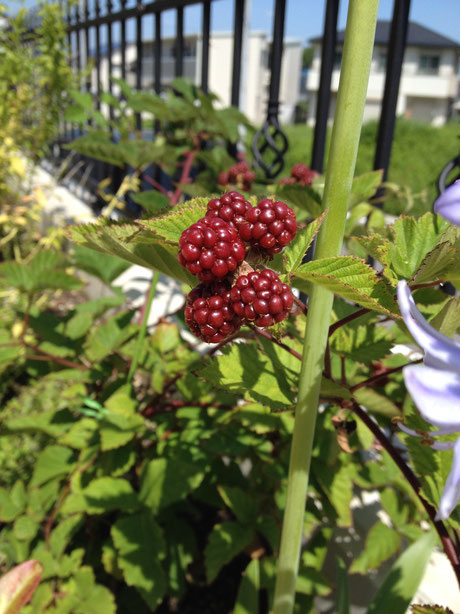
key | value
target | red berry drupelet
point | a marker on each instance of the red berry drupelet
(231, 208)
(209, 313)
(303, 174)
(271, 225)
(261, 298)
(210, 249)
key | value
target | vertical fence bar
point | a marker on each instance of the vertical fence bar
(157, 54)
(97, 7)
(71, 61)
(206, 26)
(123, 41)
(395, 56)
(109, 55)
(324, 91)
(77, 41)
(139, 58)
(86, 32)
(237, 49)
(270, 137)
(179, 64)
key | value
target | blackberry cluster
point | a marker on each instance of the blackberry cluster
(270, 226)
(231, 292)
(301, 174)
(239, 175)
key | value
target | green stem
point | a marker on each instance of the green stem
(357, 54)
(143, 328)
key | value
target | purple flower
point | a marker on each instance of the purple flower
(435, 388)
(448, 204)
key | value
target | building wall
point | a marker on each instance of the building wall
(428, 94)
(255, 73)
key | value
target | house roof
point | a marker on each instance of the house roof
(417, 36)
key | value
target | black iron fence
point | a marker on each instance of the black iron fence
(91, 27)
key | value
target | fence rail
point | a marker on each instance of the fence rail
(90, 22)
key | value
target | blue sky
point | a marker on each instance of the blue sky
(304, 18)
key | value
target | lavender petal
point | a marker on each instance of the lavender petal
(440, 351)
(448, 204)
(451, 493)
(436, 394)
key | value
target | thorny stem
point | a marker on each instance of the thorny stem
(347, 319)
(264, 333)
(45, 356)
(446, 541)
(155, 184)
(371, 381)
(189, 157)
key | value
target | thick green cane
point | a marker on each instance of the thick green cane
(357, 54)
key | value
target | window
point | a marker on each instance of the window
(428, 64)
(338, 59)
(382, 62)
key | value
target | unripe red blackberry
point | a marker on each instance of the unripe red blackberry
(271, 225)
(209, 313)
(210, 249)
(287, 180)
(248, 178)
(231, 208)
(223, 178)
(261, 298)
(303, 173)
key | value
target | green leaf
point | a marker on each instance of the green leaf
(103, 266)
(412, 240)
(343, 590)
(171, 225)
(304, 197)
(54, 461)
(352, 279)
(108, 337)
(152, 201)
(83, 99)
(437, 264)
(247, 600)
(164, 481)
(429, 609)
(271, 379)
(116, 430)
(404, 578)
(296, 249)
(87, 597)
(376, 402)
(140, 545)
(365, 186)
(116, 238)
(100, 148)
(62, 534)
(74, 114)
(25, 528)
(338, 486)
(240, 502)
(106, 494)
(362, 343)
(394, 506)
(447, 320)
(381, 543)
(226, 541)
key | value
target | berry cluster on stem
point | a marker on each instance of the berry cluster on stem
(214, 249)
(301, 174)
(238, 175)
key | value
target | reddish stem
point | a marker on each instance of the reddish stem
(156, 185)
(264, 333)
(446, 541)
(189, 157)
(371, 381)
(45, 356)
(350, 318)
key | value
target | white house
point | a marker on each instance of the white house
(429, 87)
(255, 70)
